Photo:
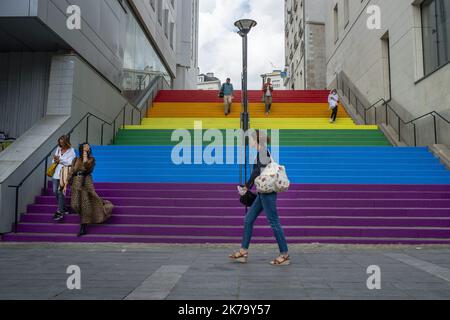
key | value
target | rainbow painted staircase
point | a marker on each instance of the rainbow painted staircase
(349, 184)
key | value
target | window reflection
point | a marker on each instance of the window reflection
(436, 33)
(141, 63)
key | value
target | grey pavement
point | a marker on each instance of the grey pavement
(194, 272)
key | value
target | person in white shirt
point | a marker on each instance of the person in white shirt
(333, 101)
(268, 92)
(64, 157)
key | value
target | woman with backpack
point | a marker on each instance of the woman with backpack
(263, 201)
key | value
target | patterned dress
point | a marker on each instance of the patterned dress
(85, 201)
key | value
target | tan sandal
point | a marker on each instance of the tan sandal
(239, 256)
(281, 261)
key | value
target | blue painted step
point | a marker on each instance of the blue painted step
(339, 165)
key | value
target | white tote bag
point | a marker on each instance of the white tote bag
(272, 179)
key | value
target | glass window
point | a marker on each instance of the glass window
(141, 63)
(336, 23)
(436, 33)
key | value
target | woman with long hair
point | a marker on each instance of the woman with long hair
(63, 157)
(264, 201)
(85, 201)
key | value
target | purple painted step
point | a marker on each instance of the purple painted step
(232, 187)
(292, 194)
(30, 237)
(223, 202)
(260, 231)
(237, 221)
(238, 211)
(211, 213)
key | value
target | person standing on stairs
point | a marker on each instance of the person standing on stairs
(85, 201)
(227, 92)
(266, 202)
(63, 157)
(268, 92)
(333, 102)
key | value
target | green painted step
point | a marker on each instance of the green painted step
(287, 144)
(168, 133)
(287, 137)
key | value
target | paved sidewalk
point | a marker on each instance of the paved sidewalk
(38, 271)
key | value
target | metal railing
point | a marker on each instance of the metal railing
(347, 91)
(86, 117)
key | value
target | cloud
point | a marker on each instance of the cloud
(220, 47)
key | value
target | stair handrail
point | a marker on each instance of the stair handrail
(86, 117)
(387, 105)
(45, 159)
(434, 114)
(151, 86)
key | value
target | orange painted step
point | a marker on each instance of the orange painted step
(257, 110)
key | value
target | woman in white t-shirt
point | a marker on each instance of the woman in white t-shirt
(64, 157)
(333, 101)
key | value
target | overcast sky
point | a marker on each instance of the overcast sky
(221, 47)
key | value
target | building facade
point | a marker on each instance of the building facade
(187, 45)
(395, 50)
(277, 77)
(208, 82)
(74, 67)
(305, 44)
(128, 42)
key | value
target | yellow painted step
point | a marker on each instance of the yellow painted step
(281, 121)
(257, 110)
(266, 123)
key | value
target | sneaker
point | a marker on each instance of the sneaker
(331, 121)
(58, 216)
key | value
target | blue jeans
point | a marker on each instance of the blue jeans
(268, 203)
(59, 196)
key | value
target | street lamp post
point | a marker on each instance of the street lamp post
(244, 26)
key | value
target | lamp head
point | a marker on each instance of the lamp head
(244, 26)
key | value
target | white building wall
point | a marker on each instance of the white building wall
(305, 44)
(276, 79)
(209, 85)
(187, 44)
(359, 53)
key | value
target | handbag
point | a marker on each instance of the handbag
(248, 199)
(272, 179)
(221, 92)
(51, 170)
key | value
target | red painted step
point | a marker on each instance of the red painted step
(318, 96)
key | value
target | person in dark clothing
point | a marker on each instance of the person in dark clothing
(85, 201)
(266, 202)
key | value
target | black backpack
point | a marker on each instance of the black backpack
(221, 93)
